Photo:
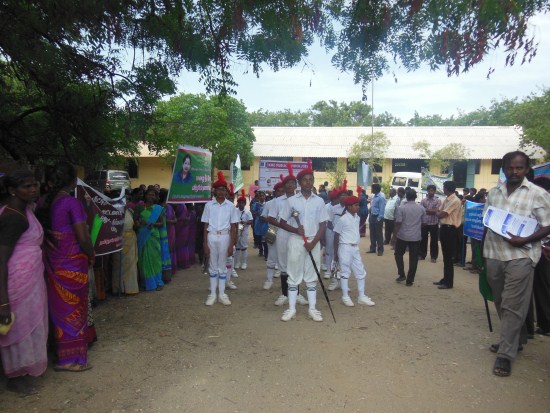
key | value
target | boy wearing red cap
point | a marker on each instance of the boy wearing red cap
(245, 221)
(219, 217)
(306, 230)
(272, 249)
(329, 234)
(281, 242)
(346, 252)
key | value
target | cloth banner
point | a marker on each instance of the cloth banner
(270, 172)
(364, 175)
(473, 220)
(105, 218)
(237, 174)
(501, 178)
(430, 179)
(191, 176)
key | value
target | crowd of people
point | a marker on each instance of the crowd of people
(47, 256)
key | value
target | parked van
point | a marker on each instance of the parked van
(405, 179)
(109, 181)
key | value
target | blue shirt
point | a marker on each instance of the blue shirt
(378, 205)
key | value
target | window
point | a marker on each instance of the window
(477, 165)
(323, 164)
(351, 167)
(496, 164)
(399, 181)
(413, 182)
(459, 173)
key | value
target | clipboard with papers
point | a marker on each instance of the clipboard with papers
(503, 222)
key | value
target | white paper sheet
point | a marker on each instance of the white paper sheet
(503, 222)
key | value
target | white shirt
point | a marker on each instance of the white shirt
(311, 211)
(348, 228)
(389, 212)
(245, 215)
(219, 216)
(275, 210)
(335, 213)
(269, 205)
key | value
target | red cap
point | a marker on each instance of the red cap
(221, 181)
(359, 190)
(242, 197)
(290, 176)
(333, 194)
(307, 171)
(351, 200)
(231, 189)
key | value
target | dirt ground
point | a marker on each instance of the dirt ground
(419, 349)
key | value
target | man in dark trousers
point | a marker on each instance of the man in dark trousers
(431, 225)
(407, 233)
(376, 220)
(450, 219)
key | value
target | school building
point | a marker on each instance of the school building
(326, 146)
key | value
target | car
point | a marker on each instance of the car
(109, 181)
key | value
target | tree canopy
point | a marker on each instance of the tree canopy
(82, 78)
(217, 124)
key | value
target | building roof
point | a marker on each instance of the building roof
(483, 142)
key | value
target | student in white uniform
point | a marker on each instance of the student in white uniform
(335, 213)
(231, 272)
(245, 221)
(220, 237)
(329, 234)
(272, 249)
(304, 238)
(346, 252)
(281, 242)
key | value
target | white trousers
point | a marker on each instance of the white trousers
(281, 244)
(242, 241)
(299, 266)
(218, 253)
(350, 261)
(272, 255)
(329, 247)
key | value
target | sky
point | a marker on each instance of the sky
(423, 91)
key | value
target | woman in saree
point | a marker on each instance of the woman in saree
(23, 295)
(149, 246)
(171, 222)
(68, 254)
(191, 239)
(182, 235)
(164, 246)
(125, 264)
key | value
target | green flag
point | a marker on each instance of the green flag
(484, 287)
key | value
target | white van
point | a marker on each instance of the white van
(405, 179)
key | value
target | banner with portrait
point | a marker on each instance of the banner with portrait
(105, 218)
(191, 176)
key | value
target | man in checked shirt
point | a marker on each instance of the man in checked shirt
(430, 225)
(510, 262)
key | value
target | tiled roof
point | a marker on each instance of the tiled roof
(482, 142)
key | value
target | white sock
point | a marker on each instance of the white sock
(292, 297)
(221, 283)
(361, 287)
(270, 272)
(244, 254)
(213, 283)
(344, 284)
(312, 297)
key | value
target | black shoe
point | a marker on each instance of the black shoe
(380, 254)
(409, 284)
(421, 258)
(444, 287)
(433, 259)
(371, 252)
(438, 282)
(542, 332)
(400, 279)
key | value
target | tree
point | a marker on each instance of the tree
(532, 115)
(336, 174)
(83, 58)
(279, 118)
(443, 157)
(218, 124)
(370, 148)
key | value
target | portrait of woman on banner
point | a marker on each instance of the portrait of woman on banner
(183, 175)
